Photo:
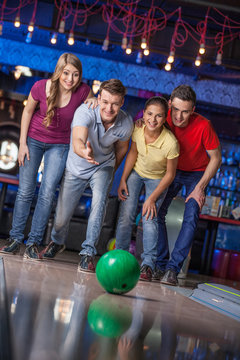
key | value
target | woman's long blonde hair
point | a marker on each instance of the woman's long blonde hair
(64, 59)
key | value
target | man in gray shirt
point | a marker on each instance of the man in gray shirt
(99, 142)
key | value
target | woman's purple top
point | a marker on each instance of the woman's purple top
(59, 130)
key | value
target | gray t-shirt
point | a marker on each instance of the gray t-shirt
(102, 141)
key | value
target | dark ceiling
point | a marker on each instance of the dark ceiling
(90, 35)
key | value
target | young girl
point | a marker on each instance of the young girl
(151, 161)
(45, 131)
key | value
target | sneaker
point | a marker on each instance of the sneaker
(170, 278)
(52, 250)
(145, 273)
(13, 248)
(86, 264)
(32, 253)
(157, 274)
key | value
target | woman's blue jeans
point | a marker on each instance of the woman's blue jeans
(55, 156)
(72, 188)
(190, 220)
(127, 216)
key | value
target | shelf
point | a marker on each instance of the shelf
(222, 189)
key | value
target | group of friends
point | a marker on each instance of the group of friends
(83, 140)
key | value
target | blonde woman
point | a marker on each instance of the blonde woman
(45, 131)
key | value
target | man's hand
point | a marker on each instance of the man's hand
(122, 190)
(88, 154)
(149, 209)
(139, 123)
(199, 195)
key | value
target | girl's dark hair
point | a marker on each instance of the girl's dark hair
(157, 100)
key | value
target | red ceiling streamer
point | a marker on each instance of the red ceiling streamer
(133, 20)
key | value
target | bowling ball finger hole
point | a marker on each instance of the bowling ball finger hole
(124, 286)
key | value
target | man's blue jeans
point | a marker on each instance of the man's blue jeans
(189, 225)
(72, 188)
(127, 216)
(55, 156)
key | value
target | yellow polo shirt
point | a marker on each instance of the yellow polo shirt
(152, 158)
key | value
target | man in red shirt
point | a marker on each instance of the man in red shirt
(199, 160)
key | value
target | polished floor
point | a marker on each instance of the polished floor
(57, 312)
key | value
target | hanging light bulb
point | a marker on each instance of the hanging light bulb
(198, 61)
(105, 44)
(95, 86)
(1, 27)
(129, 49)
(71, 38)
(202, 49)
(17, 22)
(29, 37)
(17, 73)
(61, 28)
(31, 26)
(139, 57)
(171, 57)
(25, 102)
(146, 51)
(218, 59)
(168, 66)
(143, 43)
(124, 42)
(54, 38)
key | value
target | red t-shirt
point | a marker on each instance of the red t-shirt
(194, 139)
(60, 129)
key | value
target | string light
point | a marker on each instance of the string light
(168, 66)
(219, 59)
(146, 51)
(143, 43)
(71, 38)
(17, 73)
(202, 49)
(198, 61)
(54, 38)
(124, 42)
(129, 49)
(17, 22)
(105, 44)
(171, 57)
(138, 24)
(31, 26)
(95, 86)
(61, 28)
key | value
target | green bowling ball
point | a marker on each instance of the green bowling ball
(118, 271)
(108, 317)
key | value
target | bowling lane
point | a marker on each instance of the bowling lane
(59, 313)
